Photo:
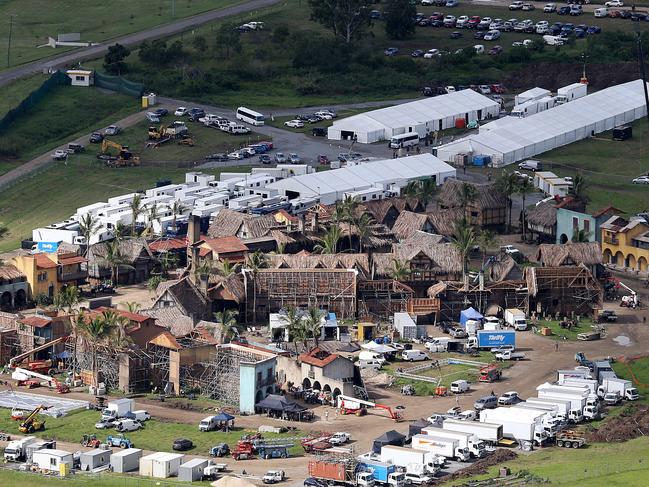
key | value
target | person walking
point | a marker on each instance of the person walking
(327, 416)
(556, 346)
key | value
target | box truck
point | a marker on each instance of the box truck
(515, 318)
(469, 441)
(383, 473)
(118, 408)
(601, 366)
(518, 424)
(446, 447)
(576, 382)
(339, 472)
(623, 387)
(491, 339)
(562, 405)
(571, 92)
(412, 459)
(569, 374)
(490, 432)
(17, 449)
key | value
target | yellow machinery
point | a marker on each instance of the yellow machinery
(186, 140)
(157, 133)
(32, 424)
(124, 157)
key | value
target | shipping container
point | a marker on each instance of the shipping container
(126, 460)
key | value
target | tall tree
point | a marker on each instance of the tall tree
(152, 216)
(114, 259)
(578, 189)
(226, 268)
(350, 207)
(346, 19)
(97, 331)
(88, 226)
(136, 210)
(177, 208)
(581, 236)
(507, 184)
(228, 39)
(227, 321)
(424, 191)
(487, 240)
(295, 325)
(132, 306)
(68, 297)
(399, 20)
(400, 270)
(313, 324)
(525, 187)
(329, 243)
(363, 229)
(464, 240)
(256, 261)
(114, 59)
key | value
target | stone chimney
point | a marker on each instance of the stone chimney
(314, 221)
(193, 229)
(300, 223)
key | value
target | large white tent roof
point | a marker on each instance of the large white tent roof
(352, 178)
(417, 112)
(511, 134)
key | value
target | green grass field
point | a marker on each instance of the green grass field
(559, 333)
(55, 193)
(157, 435)
(636, 371)
(608, 167)
(66, 113)
(21, 479)
(18, 90)
(95, 20)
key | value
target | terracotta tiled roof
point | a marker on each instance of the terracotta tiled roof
(318, 357)
(10, 272)
(225, 245)
(603, 211)
(44, 262)
(35, 321)
(75, 259)
(168, 244)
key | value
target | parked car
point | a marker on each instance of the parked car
(293, 158)
(486, 402)
(236, 155)
(431, 53)
(112, 130)
(563, 10)
(451, 3)
(528, 7)
(181, 111)
(517, 5)
(461, 21)
(495, 50)
(313, 482)
(509, 398)
(449, 21)
(456, 35)
(217, 156)
(492, 35)
(550, 8)
(502, 348)
(105, 424)
(319, 132)
(614, 3)
(280, 158)
(295, 124)
(76, 148)
(391, 51)
(641, 180)
(417, 53)
(195, 114)
(339, 438)
(60, 155)
(127, 425)
(612, 398)
(182, 444)
(161, 112)
(457, 332)
(417, 478)
(484, 23)
(274, 477)
(479, 35)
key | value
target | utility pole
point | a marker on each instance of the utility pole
(643, 73)
(173, 8)
(11, 25)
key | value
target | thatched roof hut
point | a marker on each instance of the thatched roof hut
(409, 223)
(555, 255)
(487, 196)
(305, 260)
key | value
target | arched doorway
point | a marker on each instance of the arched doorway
(20, 299)
(258, 397)
(563, 239)
(642, 264)
(6, 300)
(326, 388)
(336, 393)
(317, 386)
(608, 256)
(306, 384)
(630, 261)
(618, 259)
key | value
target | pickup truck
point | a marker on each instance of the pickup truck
(274, 477)
(509, 355)
(60, 155)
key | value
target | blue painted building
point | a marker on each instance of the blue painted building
(570, 222)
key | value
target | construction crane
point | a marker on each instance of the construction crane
(124, 157)
(629, 301)
(39, 365)
(22, 375)
(32, 424)
(351, 405)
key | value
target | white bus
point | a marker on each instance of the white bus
(249, 116)
(404, 140)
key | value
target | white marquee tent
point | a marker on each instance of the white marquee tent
(510, 139)
(388, 174)
(421, 116)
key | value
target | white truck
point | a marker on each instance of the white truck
(518, 424)
(446, 447)
(58, 235)
(583, 404)
(562, 405)
(515, 318)
(564, 375)
(576, 382)
(208, 424)
(509, 355)
(471, 327)
(552, 419)
(571, 92)
(469, 441)
(412, 459)
(117, 408)
(624, 388)
(17, 449)
(490, 432)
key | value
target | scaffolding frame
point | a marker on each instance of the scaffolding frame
(386, 297)
(564, 290)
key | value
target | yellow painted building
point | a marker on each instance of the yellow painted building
(48, 273)
(625, 244)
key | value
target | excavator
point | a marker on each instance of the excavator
(350, 405)
(124, 157)
(32, 424)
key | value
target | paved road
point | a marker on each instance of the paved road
(99, 50)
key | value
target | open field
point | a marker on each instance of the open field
(561, 334)
(95, 20)
(58, 191)
(12, 478)
(66, 113)
(608, 167)
(15, 92)
(156, 435)
(636, 371)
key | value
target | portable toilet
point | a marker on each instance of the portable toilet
(93, 459)
(126, 460)
(192, 470)
(153, 99)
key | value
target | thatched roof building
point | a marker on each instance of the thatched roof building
(487, 209)
(408, 223)
(229, 223)
(444, 221)
(303, 260)
(555, 255)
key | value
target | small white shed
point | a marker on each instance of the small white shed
(52, 459)
(192, 470)
(406, 326)
(93, 459)
(146, 463)
(126, 460)
(167, 465)
(81, 77)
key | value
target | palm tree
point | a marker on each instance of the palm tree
(581, 236)
(97, 331)
(136, 210)
(256, 261)
(167, 261)
(227, 320)
(468, 194)
(118, 323)
(507, 184)
(177, 208)
(487, 240)
(153, 283)
(132, 306)
(226, 268)
(70, 297)
(152, 216)
(424, 191)
(525, 187)
(329, 243)
(350, 207)
(114, 259)
(120, 231)
(312, 324)
(400, 270)
(363, 229)
(464, 240)
(88, 226)
(338, 215)
(578, 189)
(295, 326)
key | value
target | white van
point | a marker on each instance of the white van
(459, 386)
(404, 140)
(414, 355)
(370, 364)
(369, 355)
(208, 424)
(238, 129)
(439, 344)
(601, 12)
